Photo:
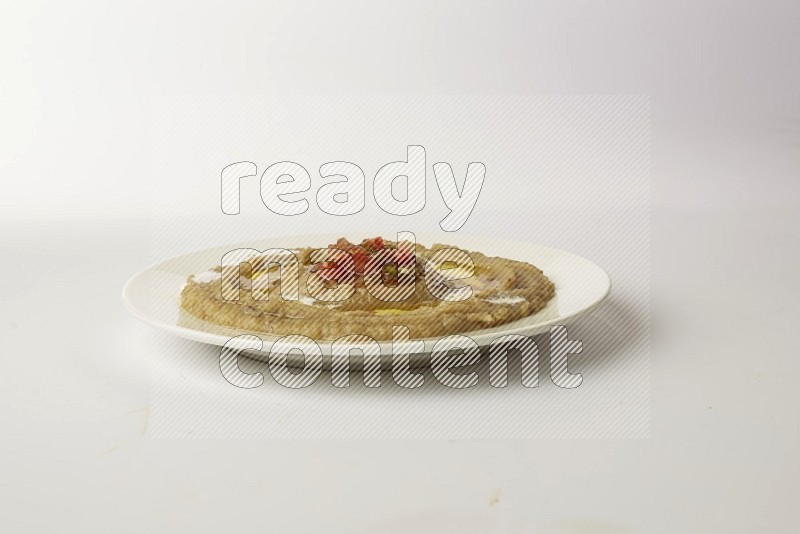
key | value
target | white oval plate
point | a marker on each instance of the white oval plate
(152, 295)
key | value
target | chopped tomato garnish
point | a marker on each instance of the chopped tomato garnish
(403, 255)
(374, 244)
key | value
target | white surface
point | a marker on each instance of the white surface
(74, 393)
(153, 295)
(721, 449)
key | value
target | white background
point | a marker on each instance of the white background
(75, 87)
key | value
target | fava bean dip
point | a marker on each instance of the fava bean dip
(365, 289)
